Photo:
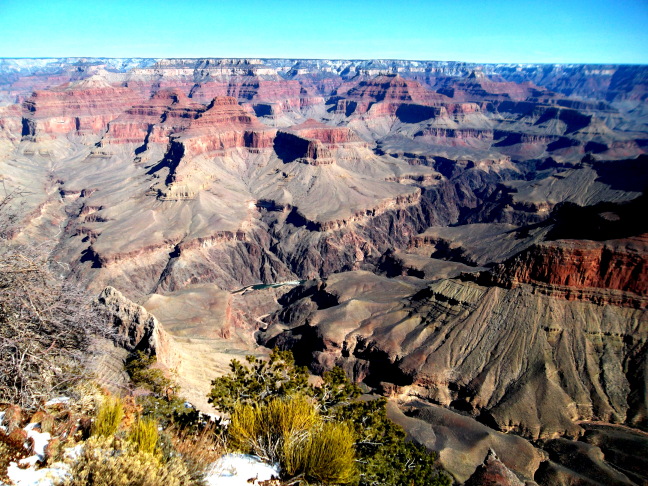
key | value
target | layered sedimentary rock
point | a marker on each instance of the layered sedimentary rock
(224, 125)
(285, 92)
(153, 121)
(390, 90)
(478, 87)
(85, 106)
(614, 265)
(312, 142)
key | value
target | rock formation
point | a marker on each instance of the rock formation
(492, 473)
(85, 106)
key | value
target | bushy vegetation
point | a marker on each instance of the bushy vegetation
(139, 367)
(325, 455)
(163, 403)
(144, 436)
(47, 327)
(316, 432)
(127, 448)
(290, 431)
(107, 462)
(261, 380)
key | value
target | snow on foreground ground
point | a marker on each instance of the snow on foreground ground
(229, 470)
(237, 469)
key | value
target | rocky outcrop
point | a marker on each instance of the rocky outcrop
(11, 123)
(291, 147)
(81, 107)
(313, 143)
(477, 86)
(224, 125)
(575, 265)
(392, 88)
(168, 111)
(492, 472)
(251, 88)
(134, 326)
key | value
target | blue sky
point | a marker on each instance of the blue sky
(550, 31)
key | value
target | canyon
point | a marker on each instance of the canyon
(467, 240)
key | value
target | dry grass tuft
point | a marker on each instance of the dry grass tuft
(198, 450)
(144, 436)
(109, 416)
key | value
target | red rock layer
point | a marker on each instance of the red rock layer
(249, 88)
(325, 133)
(225, 125)
(581, 264)
(83, 107)
(167, 111)
(311, 142)
(459, 134)
(478, 87)
(392, 87)
(292, 147)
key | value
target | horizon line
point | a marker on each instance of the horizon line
(331, 59)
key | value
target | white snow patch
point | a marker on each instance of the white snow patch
(46, 476)
(237, 469)
(57, 400)
(41, 439)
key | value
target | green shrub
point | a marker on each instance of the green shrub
(102, 464)
(260, 381)
(144, 436)
(383, 456)
(163, 405)
(109, 416)
(138, 366)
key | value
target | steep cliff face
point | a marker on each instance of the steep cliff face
(392, 88)
(136, 329)
(479, 87)
(252, 88)
(581, 264)
(152, 121)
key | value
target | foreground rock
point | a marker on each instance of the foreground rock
(492, 472)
